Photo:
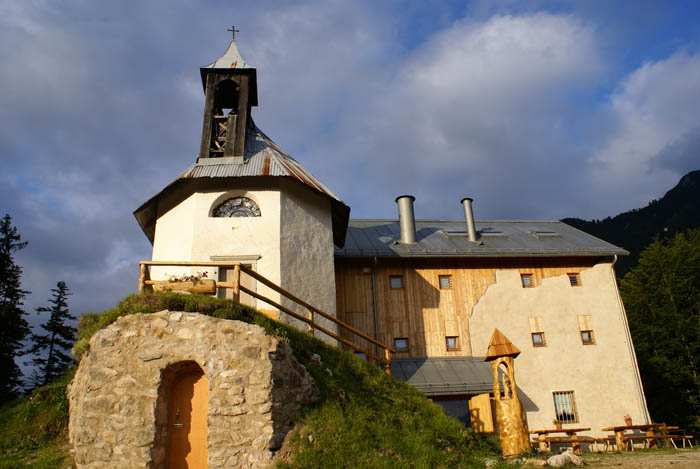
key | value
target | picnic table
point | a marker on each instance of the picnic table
(544, 441)
(652, 432)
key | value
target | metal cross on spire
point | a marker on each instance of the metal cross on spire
(233, 31)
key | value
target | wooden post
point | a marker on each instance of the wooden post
(142, 276)
(620, 440)
(312, 329)
(387, 360)
(236, 283)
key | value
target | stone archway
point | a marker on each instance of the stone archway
(119, 414)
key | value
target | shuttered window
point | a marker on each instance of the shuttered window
(527, 281)
(565, 407)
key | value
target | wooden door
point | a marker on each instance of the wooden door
(187, 421)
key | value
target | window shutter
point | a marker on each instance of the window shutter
(536, 324)
(585, 323)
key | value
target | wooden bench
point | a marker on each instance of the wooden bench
(646, 440)
(682, 438)
(608, 442)
(574, 441)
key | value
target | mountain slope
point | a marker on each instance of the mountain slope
(678, 210)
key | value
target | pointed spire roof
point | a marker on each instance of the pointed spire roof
(500, 346)
(232, 58)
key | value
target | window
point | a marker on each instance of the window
(565, 407)
(585, 327)
(396, 282)
(527, 281)
(537, 332)
(574, 279)
(445, 282)
(401, 344)
(587, 338)
(538, 339)
(452, 343)
(236, 207)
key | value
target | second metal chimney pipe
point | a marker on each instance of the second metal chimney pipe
(407, 220)
(469, 216)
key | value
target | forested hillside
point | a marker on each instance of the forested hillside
(677, 211)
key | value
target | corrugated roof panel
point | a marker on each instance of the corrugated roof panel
(437, 376)
(438, 238)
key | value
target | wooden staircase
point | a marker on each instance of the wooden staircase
(310, 318)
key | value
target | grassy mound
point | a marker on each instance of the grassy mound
(363, 419)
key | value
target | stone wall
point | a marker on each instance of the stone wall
(256, 390)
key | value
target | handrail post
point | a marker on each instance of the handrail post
(142, 276)
(387, 360)
(312, 329)
(237, 283)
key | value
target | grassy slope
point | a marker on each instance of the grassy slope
(363, 419)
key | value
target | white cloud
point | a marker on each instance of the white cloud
(477, 98)
(654, 113)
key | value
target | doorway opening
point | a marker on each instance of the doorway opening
(182, 415)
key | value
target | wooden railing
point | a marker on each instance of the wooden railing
(310, 319)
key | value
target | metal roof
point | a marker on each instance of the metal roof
(495, 238)
(263, 158)
(232, 58)
(436, 376)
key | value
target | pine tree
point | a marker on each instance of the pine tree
(13, 327)
(662, 298)
(52, 349)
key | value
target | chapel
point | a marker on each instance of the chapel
(433, 291)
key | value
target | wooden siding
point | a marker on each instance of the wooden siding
(421, 311)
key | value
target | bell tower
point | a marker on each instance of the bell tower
(230, 91)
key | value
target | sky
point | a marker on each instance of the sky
(537, 110)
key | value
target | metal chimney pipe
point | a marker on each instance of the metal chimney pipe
(469, 216)
(407, 220)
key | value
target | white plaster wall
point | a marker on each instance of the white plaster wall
(307, 253)
(188, 232)
(603, 376)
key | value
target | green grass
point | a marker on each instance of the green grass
(33, 429)
(363, 418)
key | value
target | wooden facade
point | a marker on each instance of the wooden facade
(420, 310)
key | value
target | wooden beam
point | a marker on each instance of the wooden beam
(192, 263)
(242, 122)
(207, 117)
(236, 283)
(142, 276)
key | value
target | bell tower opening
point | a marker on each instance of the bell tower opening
(230, 90)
